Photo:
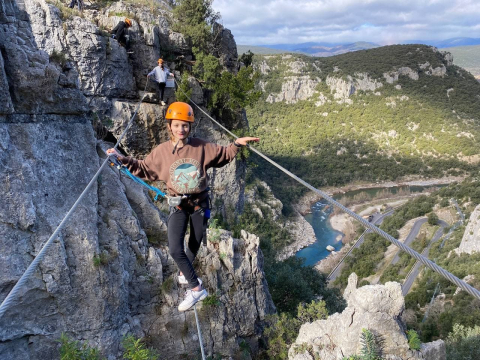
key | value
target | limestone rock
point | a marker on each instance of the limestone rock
(147, 131)
(340, 88)
(225, 48)
(434, 350)
(264, 203)
(448, 57)
(35, 80)
(374, 307)
(294, 89)
(6, 106)
(366, 83)
(109, 272)
(392, 76)
(232, 271)
(471, 237)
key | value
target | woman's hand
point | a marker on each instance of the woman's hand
(114, 153)
(244, 140)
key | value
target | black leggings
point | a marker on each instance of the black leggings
(177, 227)
(161, 89)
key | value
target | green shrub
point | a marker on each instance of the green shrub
(432, 218)
(316, 310)
(372, 347)
(135, 349)
(282, 329)
(195, 19)
(463, 343)
(100, 259)
(183, 92)
(414, 342)
(73, 350)
(58, 57)
(167, 285)
(211, 301)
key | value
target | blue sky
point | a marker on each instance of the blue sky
(380, 21)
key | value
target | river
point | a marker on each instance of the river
(321, 212)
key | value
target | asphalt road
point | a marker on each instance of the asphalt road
(407, 284)
(413, 234)
(377, 220)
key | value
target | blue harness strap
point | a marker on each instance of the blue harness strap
(123, 169)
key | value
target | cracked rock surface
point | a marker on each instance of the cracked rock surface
(373, 307)
(109, 272)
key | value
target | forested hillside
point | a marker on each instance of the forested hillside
(371, 115)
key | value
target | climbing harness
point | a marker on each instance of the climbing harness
(14, 293)
(430, 264)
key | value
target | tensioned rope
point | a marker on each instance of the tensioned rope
(11, 297)
(462, 284)
(200, 339)
(124, 170)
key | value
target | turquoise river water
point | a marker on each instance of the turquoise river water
(324, 232)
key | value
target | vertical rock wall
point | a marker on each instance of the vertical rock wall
(109, 272)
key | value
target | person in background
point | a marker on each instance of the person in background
(120, 32)
(76, 2)
(160, 74)
(182, 163)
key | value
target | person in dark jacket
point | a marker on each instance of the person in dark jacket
(120, 32)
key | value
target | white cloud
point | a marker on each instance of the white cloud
(381, 21)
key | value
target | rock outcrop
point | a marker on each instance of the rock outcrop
(294, 89)
(374, 307)
(109, 272)
(264, 203)
(471, 237)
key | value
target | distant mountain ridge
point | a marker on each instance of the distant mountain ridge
(369, 115)
(323, 49)
(309, 48)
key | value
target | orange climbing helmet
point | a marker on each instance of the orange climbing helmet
(128, 22)
(180, 111)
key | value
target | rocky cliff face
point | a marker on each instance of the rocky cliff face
(300, 230)
(470, 240)
(109, 272)
(304, 84)
(377, 308)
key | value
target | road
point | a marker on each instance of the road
(413, 234)
(459, 211)
(377, 220)
(407, 284)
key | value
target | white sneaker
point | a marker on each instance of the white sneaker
(163, 103)
(191, 298)
(182, 280)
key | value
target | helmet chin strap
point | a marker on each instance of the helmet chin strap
(175, 147)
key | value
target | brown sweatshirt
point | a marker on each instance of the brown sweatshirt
(185, 170)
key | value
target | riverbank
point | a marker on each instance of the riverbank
(305, 203)
(343, 223)
(303, 233)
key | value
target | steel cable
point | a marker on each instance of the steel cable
(430, 264)
(13, 294)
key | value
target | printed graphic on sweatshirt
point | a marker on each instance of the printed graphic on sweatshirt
(185, 176)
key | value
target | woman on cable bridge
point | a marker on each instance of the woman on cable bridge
(182, 163)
